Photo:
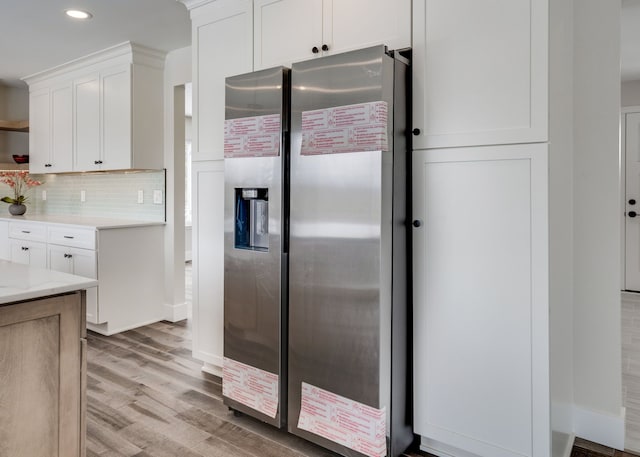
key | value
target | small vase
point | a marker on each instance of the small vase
(17, 209)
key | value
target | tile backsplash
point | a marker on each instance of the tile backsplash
(112, 195)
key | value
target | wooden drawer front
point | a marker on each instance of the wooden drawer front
(74, 237)
(26, 231)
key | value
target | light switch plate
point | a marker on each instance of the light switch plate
(44, 195)
(83, 196)
(140, 196)
(157, 197)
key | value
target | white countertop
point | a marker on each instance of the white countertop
(22, 282)
(81, 221)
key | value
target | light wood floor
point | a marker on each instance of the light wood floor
(146, 396)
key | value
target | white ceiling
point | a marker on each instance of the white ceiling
(36, 34)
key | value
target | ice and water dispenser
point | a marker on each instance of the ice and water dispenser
(252, 219)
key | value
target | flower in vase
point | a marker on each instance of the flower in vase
(19, 182)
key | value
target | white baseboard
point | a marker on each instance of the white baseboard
(175, 313)
(212, 369)
(600, 428)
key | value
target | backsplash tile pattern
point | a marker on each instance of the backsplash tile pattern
(112, 195)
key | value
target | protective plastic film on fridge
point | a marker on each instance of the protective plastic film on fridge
(348, 303)
(255, 244)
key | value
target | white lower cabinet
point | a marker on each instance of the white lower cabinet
(81, 262)
(481, 306)
(127, 261)
(31, 253)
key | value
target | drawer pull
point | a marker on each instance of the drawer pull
(24, 248)
(68, 256)
(68, 237)
(26, 231)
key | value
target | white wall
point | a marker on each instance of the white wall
(561, 222)
(177, 73)
(630, 93)
(596, 234)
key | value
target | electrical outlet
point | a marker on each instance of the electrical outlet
(83, 196)
(157, 197)
(44, 195)
(140, 196)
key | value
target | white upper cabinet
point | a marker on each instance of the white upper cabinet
(222, 45)
(86, 121)
(479, 72)
(50, 132)
(102, 112)
(287, 31)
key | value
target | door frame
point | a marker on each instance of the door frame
(623, 190)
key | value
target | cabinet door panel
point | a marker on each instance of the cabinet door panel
(81, 262)
(39, 131)
(116, 118)
(286, 31)
(480, 72)
(87, 123)
(61, 158)
(208, 261)
(481, 300)
(353, 24)
(223, 46)
(29, 253)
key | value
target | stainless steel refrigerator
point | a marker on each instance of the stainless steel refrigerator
(255, 244)
(348, 300)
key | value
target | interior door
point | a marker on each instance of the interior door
(632, 201)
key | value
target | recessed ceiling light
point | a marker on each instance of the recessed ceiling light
(78, 14)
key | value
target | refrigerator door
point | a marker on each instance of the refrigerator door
(342, 254)
(255, 260)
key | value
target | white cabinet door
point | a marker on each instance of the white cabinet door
(61, 156)
(479, 72)
(81, 262)
(29, 253)
(115, 88)
(208, 261)
(39, 130)
(286, 31)
(222, 43)
(87, 123)
(481, 341)
(354, 24)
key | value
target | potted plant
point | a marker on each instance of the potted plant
(19, 182)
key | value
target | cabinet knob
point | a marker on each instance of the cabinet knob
(325, 47)
(24, 248)
(632, 214)
(97, 162)
(632, 201)
(315, 49)
(47, 164)
(416, 132)
(68, 256)
(417, 223)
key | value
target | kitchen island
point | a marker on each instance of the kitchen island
(42, 362)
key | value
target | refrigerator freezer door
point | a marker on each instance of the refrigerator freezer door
(255, 290)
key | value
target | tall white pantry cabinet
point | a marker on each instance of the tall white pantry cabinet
(480, 124)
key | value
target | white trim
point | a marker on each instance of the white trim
(175, 313)
(213, 369)
(101, 328)
(128, 51)
(601, 428)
